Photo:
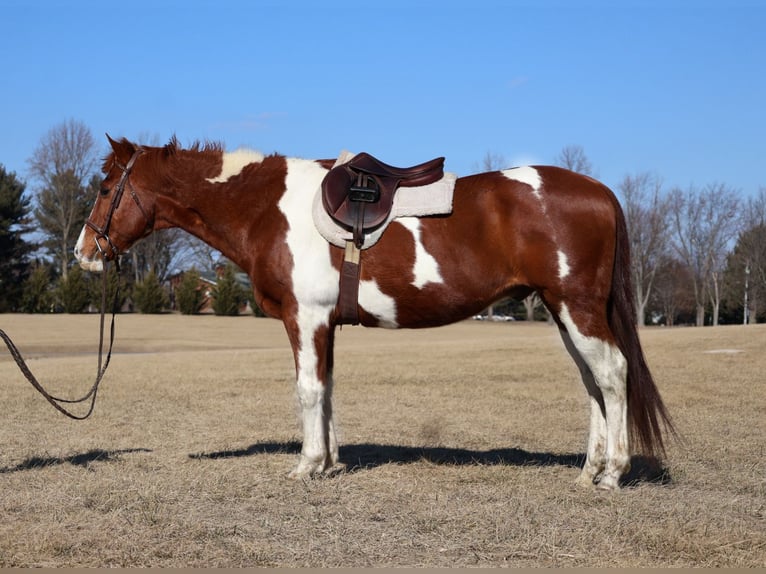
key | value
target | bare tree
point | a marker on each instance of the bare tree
(573, 157)
(745, 280)
(671, 295)
(491, 162)
(647, 216)
(63, 164)
(705, 222)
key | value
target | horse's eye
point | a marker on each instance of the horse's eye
(104, 191)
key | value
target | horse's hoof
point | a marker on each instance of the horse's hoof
(306, 469)
(584, 481)
(608, 484)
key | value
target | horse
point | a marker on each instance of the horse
(511, 232)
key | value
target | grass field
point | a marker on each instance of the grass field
(460, 445)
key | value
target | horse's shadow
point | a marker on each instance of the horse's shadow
(84, 459)
(358, 457)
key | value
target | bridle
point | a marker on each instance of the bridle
(102, 232)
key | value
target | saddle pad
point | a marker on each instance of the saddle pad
(431, 199)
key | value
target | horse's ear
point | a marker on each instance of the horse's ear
(122, 148)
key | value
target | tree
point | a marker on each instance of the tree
(573, 157)
(228, 295)
(491, 162)
(14, 250)
(670, 296)
(745, 278)
(753, 252)
(189, 296)
(149, 296)
(155, 254)
(63, 164)
(38, 296)
(72, 294)
(647, 218)
(704, 223)
(116, 286)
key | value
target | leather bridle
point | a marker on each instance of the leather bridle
(102, 232)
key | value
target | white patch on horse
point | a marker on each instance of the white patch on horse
(563, 265)
(377, 304)
(426, 268)
(609, 369)
(315, 286)
(234, 162)
(315, 281)
(527, 175)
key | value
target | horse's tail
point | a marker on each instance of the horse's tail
(646, 411)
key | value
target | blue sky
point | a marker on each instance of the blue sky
(675, 88)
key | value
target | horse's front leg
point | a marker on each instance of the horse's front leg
(312, 343)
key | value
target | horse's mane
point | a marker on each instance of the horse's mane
(173, 147)
(168, 161)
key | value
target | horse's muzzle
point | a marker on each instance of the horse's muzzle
(93, 262)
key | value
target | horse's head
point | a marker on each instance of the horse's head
(123, 212)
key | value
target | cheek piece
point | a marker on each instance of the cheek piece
(102, 232)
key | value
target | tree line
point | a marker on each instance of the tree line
(698, 253)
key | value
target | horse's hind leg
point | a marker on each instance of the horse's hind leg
(604, 371)
(595, 459)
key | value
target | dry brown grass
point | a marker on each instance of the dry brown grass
(461, 447)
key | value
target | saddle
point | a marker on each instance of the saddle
(359, 195)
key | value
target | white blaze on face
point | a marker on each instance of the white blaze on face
(94, 265)
(234, 162)
(426, 268)
(527, 175)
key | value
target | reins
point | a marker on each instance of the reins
(102, 364)
(102, 232)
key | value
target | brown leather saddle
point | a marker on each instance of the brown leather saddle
(359, 194)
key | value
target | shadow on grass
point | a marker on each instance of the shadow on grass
(364, 456)
(83, 459)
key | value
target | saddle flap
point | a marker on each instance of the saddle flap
(341, 198)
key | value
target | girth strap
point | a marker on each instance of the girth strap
(348, 298)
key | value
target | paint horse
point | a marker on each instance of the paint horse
(511, 233)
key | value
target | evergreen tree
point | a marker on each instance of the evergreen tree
(188, 293)
(149, 295)
(38, 295)
(113, 282)
(14, 251)
(228, 295)
(257, 311)
(73, 293)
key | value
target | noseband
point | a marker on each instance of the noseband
(103, 231)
